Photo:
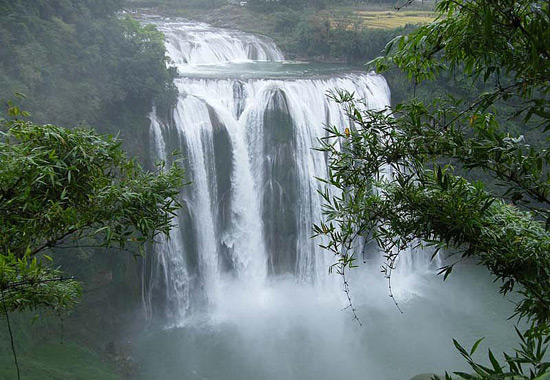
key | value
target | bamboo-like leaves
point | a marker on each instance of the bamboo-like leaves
(60, 186)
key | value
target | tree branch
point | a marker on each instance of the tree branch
(11, 337)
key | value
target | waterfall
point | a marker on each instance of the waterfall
(248, 147)
(190, 43)
(240, 290)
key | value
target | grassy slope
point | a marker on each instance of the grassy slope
(44, 354)
(56, 361)
(391, 19)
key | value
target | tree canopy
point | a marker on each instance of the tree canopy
(450, 173)
(62, 188)
(81, 63)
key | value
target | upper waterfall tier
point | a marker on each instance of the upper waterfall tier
(191, 43)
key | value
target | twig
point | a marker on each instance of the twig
(11, 337)
(404, 5)
(391, 293)
(35, 282)
(52, 242)
(348, 295)
(387, 269)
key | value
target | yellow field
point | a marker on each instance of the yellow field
(384, 19)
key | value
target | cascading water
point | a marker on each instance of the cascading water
(248, 145)
(190, 43)
(240, 284)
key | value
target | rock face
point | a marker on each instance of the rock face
(280, 184)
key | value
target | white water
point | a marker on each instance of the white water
(190, 44)
(240, 285)
(240, 108)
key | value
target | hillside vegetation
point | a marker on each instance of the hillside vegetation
(330, 31)
(81, 63)
(78, 62)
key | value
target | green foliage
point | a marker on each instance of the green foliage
(395, 168)
(284, 21)
(270, 5)
(436, 205)
(163, 4)
(79, 63)
(503, 39)
(319, 37)
(528, 362)
(62, 188)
